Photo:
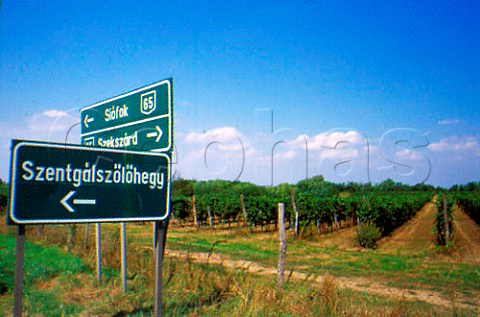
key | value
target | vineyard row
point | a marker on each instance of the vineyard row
(386, 211)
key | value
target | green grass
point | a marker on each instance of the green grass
(236, 249)
(41, 265)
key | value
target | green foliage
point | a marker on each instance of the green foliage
(3, 202)
(226, 207)
(317, 186)
(473, 187)
(261, 210)
(182, 187)
(388, 211)
(181, 206)
(470, 202)
(4, 189)
(368, 235)
(4, 193)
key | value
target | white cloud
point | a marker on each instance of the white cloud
(50, 126)
(456, 144)
(216, 153)
(223, 135)
(55, 113)
(333, 139)
(339, 144)
(285, 155)
(338, 154)
(446, 122)
(410, 155)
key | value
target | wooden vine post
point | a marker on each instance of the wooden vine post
(445, 218)
(194, 209)
(244, 209)
(210, 217)
(283, 244)
(295, 210)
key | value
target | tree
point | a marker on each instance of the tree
(3, 201)
(182, 187)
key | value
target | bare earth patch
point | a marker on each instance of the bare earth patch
(467, 237)
(414, 236)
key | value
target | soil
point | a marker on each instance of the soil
(416, 235)
(466, 237)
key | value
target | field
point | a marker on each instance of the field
(232, 272)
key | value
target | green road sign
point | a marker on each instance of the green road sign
(59, 183)
(138, 120)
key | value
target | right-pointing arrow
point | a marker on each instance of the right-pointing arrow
(157, 134)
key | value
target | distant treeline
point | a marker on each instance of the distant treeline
(4, 189)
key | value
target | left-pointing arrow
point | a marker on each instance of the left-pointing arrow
(65, 199)
(87, 120)
(65, 203)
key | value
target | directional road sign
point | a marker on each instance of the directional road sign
(59, 183)
(137, 120)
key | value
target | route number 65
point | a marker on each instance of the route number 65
(148, 102)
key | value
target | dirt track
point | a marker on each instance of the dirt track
(467, 237)
(416, 235)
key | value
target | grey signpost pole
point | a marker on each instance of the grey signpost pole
(99, 251)
(123, 246)
(19, 259)
(160, 236)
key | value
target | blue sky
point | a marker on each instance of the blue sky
(353, 90)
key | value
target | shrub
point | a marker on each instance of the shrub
(367, 235)
(3, 202)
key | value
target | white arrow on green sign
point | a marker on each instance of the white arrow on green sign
(137, 120)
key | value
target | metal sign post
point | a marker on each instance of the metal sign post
(160, 239)
(19, 259)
